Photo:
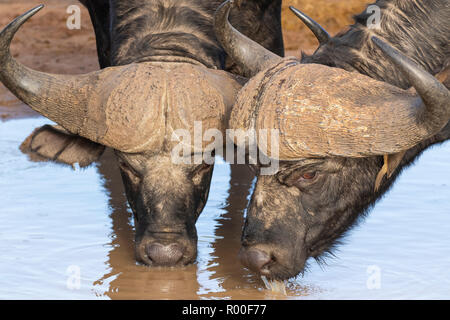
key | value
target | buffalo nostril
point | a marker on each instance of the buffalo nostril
(164, 255)
(256, 260)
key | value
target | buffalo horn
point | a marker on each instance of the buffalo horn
(320, 33)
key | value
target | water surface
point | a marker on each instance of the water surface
(68, 234)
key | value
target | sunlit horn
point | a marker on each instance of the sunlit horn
(248, 54)
(320, 33)
(436, 97)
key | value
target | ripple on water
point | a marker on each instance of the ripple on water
(58, 225)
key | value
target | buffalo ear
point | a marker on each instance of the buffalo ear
(53, 143)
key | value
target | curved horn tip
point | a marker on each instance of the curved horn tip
(223, 11)
(226, 5)
(10, 30)
(248, 54)
(321, 34)
(17, 22)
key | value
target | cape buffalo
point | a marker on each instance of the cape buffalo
(344, 136)
(161, 71)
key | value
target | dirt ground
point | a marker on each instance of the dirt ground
(46, 44)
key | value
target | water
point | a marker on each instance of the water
(68, 234)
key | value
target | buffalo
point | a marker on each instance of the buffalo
(162, 70)
(347, 127)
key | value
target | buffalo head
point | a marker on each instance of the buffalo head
(333, 127)
(135, 109)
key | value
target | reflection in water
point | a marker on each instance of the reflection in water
(235, 282)
(225, 265)
(125, 278)
(216, 275)
(54, 220)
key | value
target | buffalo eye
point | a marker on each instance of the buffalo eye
(301, 179)
(308, 176)
(304, 180)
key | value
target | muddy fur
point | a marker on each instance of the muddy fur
(166, 200)
(140, 30)
(314, 214)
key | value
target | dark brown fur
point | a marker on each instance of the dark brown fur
(418, 28)
(291, 218)
(137, 30)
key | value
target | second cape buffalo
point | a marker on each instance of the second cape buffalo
(162, 70)
(344, 135)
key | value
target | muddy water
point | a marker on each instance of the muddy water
(68, 234)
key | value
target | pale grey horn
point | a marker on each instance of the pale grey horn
(76, 102)
(434, 113)
(57, 97)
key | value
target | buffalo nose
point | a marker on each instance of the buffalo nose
(164, 255)
(256, 260)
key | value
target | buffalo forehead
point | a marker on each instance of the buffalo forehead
(147, 102)
(319, 101)
(312, 105)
